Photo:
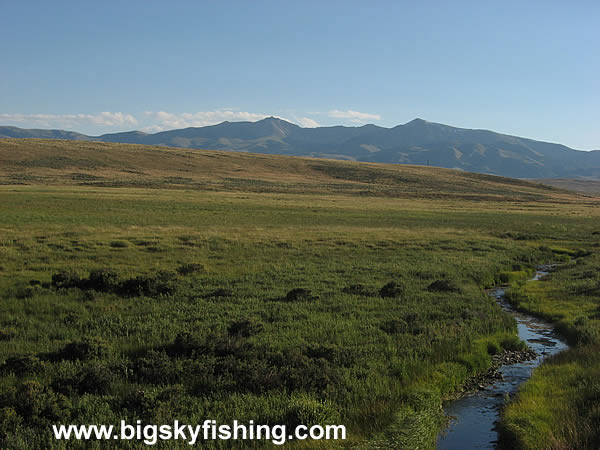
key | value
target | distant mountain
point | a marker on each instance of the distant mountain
(416, 142)
(15, 132)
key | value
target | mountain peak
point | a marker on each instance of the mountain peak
(273, 119)
(417, 121)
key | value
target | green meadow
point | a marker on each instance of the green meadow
(559, 406)
(290, 291)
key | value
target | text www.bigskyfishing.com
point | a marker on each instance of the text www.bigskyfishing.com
(192, 434)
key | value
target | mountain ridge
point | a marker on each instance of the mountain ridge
(416, 142)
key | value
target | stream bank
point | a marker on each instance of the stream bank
(474, 416)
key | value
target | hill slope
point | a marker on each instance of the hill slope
(417, 142)
(114, 165)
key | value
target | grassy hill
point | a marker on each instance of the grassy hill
(62, 162)
(586, 186)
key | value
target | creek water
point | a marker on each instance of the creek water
(474, 417)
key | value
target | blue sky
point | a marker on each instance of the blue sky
(525, 68)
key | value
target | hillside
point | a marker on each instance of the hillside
(60, 162)
(586, 186)
(416, 142)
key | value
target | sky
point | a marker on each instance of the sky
(527, 68)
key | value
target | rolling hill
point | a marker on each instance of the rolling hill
(416, 142)
(101, 164)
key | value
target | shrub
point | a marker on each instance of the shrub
(245, 328)
(89, 348)
(338, 356)
(156, 367)
(102, 280)
(445, 285)
(95, 379)
(22, 365)
(92, 379)
(299, 295)
(65, 280)
(23, 292)
(37, 403)
(392, 289)
(118, 244)
(187, 344)
(394, 326)
(138, 402)
(162, 283)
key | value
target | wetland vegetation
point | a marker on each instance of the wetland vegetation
(282, 290)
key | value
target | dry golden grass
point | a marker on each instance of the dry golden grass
(586, 186)
(57, 162)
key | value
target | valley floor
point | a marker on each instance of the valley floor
(282, 307)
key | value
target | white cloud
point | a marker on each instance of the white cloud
(166, 120)
(354, 116)
(307, 122)
(103, 119)
(148, 121)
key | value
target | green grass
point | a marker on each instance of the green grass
(211, 330)
(559, 407)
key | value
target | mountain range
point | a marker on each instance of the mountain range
(417, 142)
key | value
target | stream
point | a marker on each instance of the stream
(474, 416)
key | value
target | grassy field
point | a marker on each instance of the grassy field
(559, 407)
(160, 284)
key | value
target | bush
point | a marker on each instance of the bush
(163, 283)
(89, 348)
(138, 402)
(245, 328)
(38, 404)
(299, 295)
(186, 344)
(102, 280)
(22, 365)
(392, 289)
(156, 367)
(119, 244)
(338, 356)
(23, 292)
(394, 326)
(92, 379)
(107, 280)
(445, 285)
(95, 379)
(65, 280)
